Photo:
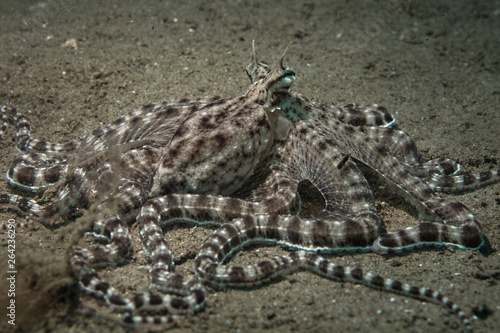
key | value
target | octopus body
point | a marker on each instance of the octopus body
(238, 163)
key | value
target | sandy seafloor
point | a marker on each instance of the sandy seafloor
(433, 64)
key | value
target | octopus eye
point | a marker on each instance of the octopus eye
(288, 73)
(287, 78)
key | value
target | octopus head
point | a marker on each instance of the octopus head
(268, 82)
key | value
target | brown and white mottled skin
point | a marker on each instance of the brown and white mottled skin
(238, 162)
